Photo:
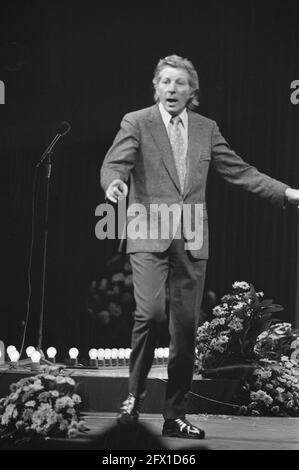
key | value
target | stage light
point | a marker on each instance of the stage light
(73, 352)
(93, 357)
(100, 353)
(121, 357)
(35, 358)
(107, 357)
(93, 353)
(9, 349)
(156, 356)
(127, 356)
(51, 353)
(165, 355)
(114, 355)
(14, 356)
(2, 353)
(160, 355)
(101, 357)
(30, 350)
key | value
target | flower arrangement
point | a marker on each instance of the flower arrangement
(272, 389)
(112, 295)
(278, 340)
(44, 405)
(231, 336)
(243, 335)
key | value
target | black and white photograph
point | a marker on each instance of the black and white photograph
(150, 273)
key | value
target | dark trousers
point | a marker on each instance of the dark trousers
(186, 277)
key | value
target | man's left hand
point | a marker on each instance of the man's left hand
(292, 196)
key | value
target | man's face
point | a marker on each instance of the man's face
(174, 90)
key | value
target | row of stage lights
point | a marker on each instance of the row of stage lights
(97, 357)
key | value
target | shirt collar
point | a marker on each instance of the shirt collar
(167, 117)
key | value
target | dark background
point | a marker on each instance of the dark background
(89, 63)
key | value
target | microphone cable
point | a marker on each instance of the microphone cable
(35, 188)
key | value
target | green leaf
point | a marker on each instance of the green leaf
(266, 303)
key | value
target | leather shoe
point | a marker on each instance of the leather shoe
(129, 411)
(182, 428)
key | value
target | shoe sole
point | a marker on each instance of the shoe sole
(184, 436)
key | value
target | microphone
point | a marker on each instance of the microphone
(63, 128)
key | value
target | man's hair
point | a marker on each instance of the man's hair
(178, 62)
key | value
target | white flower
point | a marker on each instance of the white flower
(239, 306)
(81, 425)
(37, 388)
(262, 373)
(204, 327)
(262, 336)
(50, 377)
(260, 395)
(118, 277)
(30, 404)
(241, 285)
(223, 338)
(70, 381)
(76, 398)
(63, 426)
(45, 407)
(63, 402)
(60, 380)
(72, 433)
(218, 321)
(219, 311)
(236, 324)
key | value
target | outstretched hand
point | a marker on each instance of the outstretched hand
(292, 196)
(116, 190)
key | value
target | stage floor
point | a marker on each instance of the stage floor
(223, 432)
(102, 390)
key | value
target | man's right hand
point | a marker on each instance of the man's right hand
(116, 190)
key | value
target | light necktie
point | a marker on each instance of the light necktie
(178, 147)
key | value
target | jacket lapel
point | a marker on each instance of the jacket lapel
(161, 139)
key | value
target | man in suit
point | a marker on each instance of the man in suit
(165, 152)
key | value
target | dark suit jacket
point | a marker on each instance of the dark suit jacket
(141, 153)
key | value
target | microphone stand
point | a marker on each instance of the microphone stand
(48, 169)
(47, 157)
